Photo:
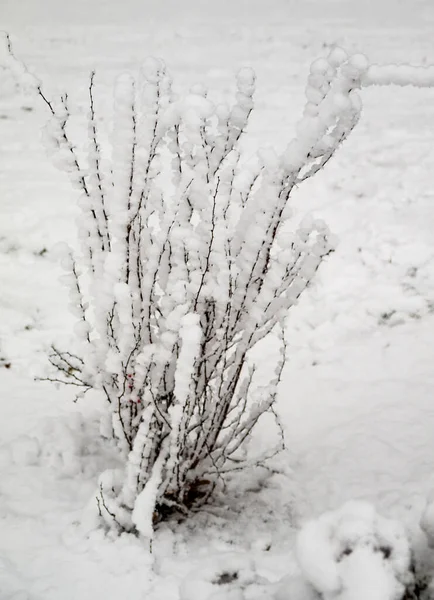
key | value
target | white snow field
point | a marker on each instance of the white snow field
(357, 399)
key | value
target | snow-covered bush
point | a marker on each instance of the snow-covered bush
(187, 261)
(185, 266)
(354, 553)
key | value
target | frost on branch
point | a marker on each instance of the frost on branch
(186, 263)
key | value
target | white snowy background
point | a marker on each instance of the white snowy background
(357, 396)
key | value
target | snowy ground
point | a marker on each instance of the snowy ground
(357, 394)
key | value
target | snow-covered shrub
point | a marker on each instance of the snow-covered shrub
(185, 266)
(354, 553)
(187, 262)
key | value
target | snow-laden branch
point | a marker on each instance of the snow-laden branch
(401, 75)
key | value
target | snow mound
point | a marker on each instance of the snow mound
(295, 587)
(354, 553)
(227, 576)
(70, 446)
(427, 519)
